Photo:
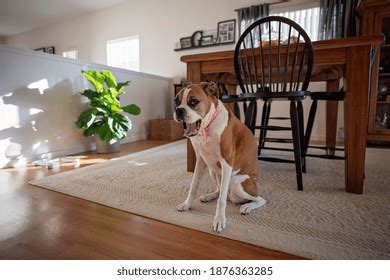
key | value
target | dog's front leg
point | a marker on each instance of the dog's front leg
(200, 168)
(220, 214)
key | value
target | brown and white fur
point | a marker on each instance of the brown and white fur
(229, 150)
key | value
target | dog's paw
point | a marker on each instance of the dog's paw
(183, 207)
(245, 209)
(219, 223)
(208, 197)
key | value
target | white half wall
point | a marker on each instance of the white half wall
(40, 101)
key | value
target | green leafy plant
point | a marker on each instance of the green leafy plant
(104, 116)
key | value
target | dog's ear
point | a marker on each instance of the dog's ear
(210, 88)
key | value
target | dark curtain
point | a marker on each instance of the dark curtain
(248, 15)
(337, 19)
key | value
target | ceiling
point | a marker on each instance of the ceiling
(17, 16)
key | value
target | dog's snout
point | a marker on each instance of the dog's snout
(179, 112)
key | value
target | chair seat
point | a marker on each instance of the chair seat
(239, 97)
(283, 95)
(331, 95)
(228, 98)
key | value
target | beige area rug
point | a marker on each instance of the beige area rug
(322, 222)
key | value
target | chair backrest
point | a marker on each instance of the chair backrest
(274, 54)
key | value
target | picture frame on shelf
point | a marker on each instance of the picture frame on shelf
(51, 50)
(196, 38)
(213, 33)
(186, 42)
(206, 40)
(226, 31)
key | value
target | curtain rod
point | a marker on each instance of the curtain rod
(279, 2)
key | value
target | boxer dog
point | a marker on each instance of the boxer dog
(224, 145)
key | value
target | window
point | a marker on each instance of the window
(307, 18)
(71, 54)
(124, 53)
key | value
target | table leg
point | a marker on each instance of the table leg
(331, 117)
(356, 83)
(193, 76)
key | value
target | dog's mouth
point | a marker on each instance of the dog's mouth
(191, 129)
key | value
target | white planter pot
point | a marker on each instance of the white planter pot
(106, 147)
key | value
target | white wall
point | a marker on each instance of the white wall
(159, 24)
(40, 100)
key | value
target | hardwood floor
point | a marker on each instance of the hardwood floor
(36, 223)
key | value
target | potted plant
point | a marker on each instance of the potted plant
(104, 117)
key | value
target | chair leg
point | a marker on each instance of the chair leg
(296, 141)
(262, 130)
(250, 116)
(237, 110)
(245, 107)
(301, 134)
(310, 123)
(254, 117)
(268, 113)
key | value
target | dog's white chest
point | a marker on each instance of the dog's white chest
(210, 150)
(208, 145)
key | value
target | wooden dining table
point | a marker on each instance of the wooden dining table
(354, 57)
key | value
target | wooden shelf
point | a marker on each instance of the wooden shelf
(382, 128)
(204, 46)
(384, 75)
(383, 102)
(379, 136)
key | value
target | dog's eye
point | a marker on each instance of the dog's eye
(193, 102)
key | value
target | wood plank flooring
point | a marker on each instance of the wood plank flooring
(36, 223)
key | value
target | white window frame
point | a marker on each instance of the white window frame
(293, 7)
(76, 52)
(108, 53)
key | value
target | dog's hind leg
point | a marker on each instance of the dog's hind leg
(213, 195)
(238, 194)
(209, 196)
(255, 203)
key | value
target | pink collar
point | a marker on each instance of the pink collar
(205, 131)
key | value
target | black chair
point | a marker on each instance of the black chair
(273, 61)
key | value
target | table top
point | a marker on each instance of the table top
(327, 45)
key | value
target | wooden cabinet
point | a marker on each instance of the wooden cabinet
(374, 18)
